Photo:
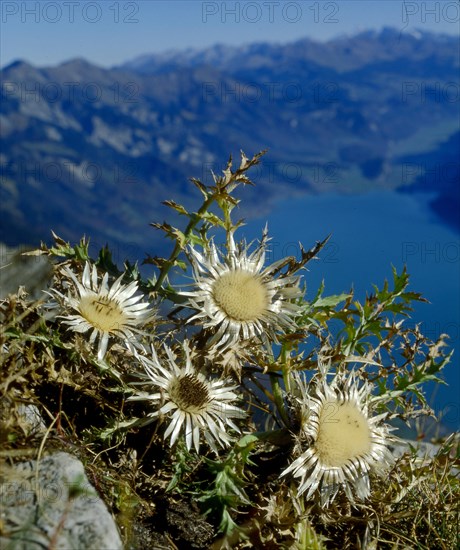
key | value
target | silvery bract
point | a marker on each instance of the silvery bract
(339, 442)
(239, 297)
(194, 404)
(106, 311)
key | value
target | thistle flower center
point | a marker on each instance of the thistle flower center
(343, 434)
(102, 312)
(189, 393)
(241, 295)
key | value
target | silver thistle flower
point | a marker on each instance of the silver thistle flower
(340, 442)
(196, 405)
(239, 297)
(106, 311)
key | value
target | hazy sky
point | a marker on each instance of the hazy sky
(108, 32)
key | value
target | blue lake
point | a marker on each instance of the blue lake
(370, 233)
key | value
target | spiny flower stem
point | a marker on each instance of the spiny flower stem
(220, 193)
(178, 247)
(285, 365)
(275, 383)
(278, 395)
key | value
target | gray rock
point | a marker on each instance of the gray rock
(54, 506)
(32, 272)
(424, 449)
(32, 420)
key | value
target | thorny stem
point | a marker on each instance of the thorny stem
(278, 395)
(275, 384)
(227, 185)
(178, 248)
(285, 357)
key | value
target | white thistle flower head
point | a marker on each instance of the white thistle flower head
(239, 297)
(340, 441)
(194, 404)
(106, 311)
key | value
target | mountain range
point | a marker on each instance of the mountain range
(90, 150)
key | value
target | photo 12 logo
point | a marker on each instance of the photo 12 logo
(72, 91)
(271, 12)
(416, 13)
(292, 173)
(70, 12)
(65, 171)
(440, 173)
(270, 92)
(430, 92)
(431, 252)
